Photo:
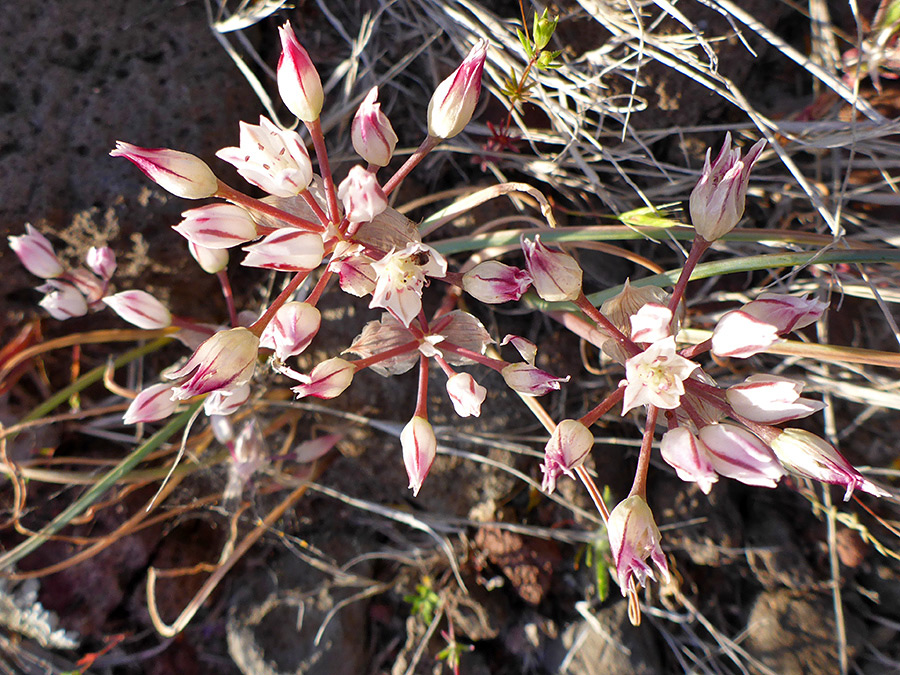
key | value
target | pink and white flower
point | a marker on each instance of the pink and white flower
(419, 446)
(465, 394)
(371, 132)
(651, 323)
(181, 174)
(298, 80)
(290, 331)
(327, 380)
(222, 403)
(530, 381)
(687, 454)
(566, 450)
(286, 250)
(736, 453)
(102, 261)
(453, 102)
(492, 282)
(62, 300)
(139, 308)
(717, 202)
(400, 277)
(217, 226)
(361, 195)
(36, 253)
(556, 276)
(211, 260)
(152, 404)
(224, 361)
(769, 399)
(808, 455)
(633, 538)
(656, 376)
(272, 158)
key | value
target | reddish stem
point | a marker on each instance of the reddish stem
(235, 197)
(399, 350)
(493, 364)
(639, 487)
(314, 205)
(422, 398)
(229, 296)
(600, 319)
(698, 248)
(318, 139)
(263, 321)
(313, 298)
(604, 407)
(697, 349)
(429, 144)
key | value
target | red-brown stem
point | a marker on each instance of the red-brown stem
(494, 364)
(229, 296)
(698, 248)
(697, 349)
(593, 491)
(263, 321)
(639, 487)
(422, 398)
(405, 348)
(321, 284)
(235, 197)
(318, 139)
(429, 144)
(314, 205)
(604, 407)
(598, 317)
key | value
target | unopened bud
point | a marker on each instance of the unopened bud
(371, 132)
(419, 449)
(454, 100)
(35, 252)
(492, 282)
(556, 275)
(139, 308)
(181, 174)
(298, 80)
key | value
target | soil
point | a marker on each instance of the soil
(76, 76)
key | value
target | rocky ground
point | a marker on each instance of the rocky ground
(752, 589)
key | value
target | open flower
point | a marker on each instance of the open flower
(656, 376)
(271, 158)
(400, 276)
(224, 361)
(634, 537)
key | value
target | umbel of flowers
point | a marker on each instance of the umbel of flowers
(310, 227)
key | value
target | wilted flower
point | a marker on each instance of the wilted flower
(419, 449)
(492, 282)
(62, 300)
(152, 404)
(400, 276)
(361, 195)
(687, 454)
(769, 399)
(453, 102)
(465, 394)
(556, 276)
(717, 202)
(139, 308)
(808, 455)
(371, 132)
(181, 174)
(271, 158)
(526, 379)
(35, 252)
(224, 361)
(656, 376)
(298, 80)
(221, 403)
(569, 444)
(634, 537)
(291, 330)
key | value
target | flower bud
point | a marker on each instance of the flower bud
(769, 399)
(224, 361)
(569, 444)
(217, 226)
(35, 252)
(736, 453)
(273, 159)
(556, 275)
(493, 282)
(291, 330)
(371, 132)
(139, 308)
(419, 449)
(102, 261)
(298, 81)
(526, 348)
(329, 379)
(91, 287)
(361, 195)
(785, 312)
(222, 403)
(211, 260)
(687, 454)
(181, 174)
(465, 394)
(286, 250)
(453, 103)
(717, 202)
(651, 323)
(531, 381)
(634, 537)
(62, 300)
(152, 404)
(808, 455)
